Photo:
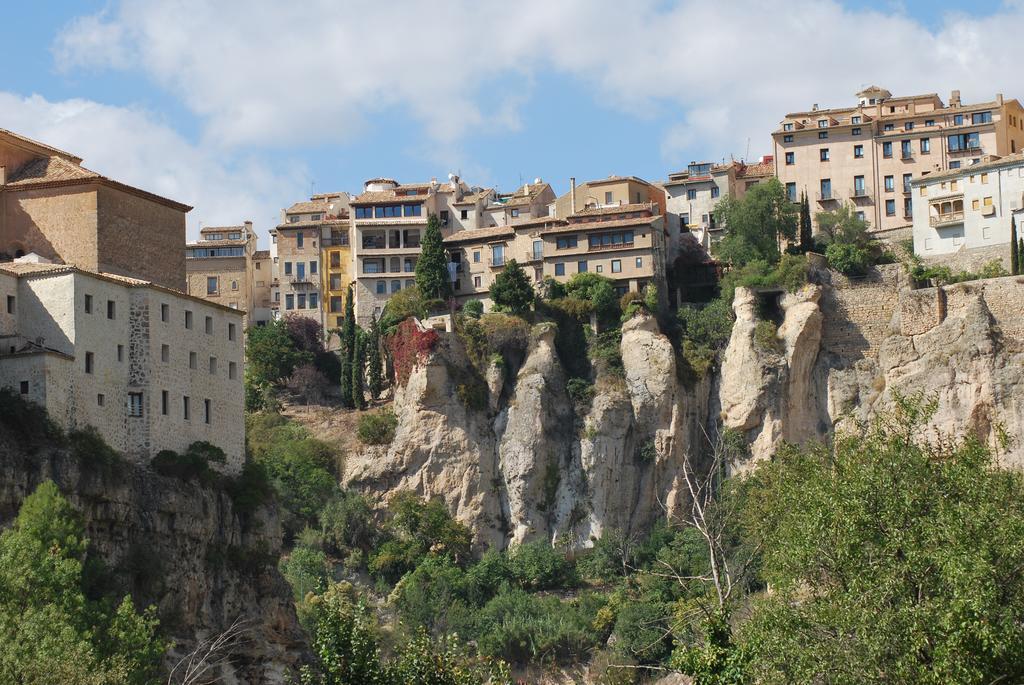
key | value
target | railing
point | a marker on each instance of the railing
(495, 263)
(966, 149)
(826, 196)
(946, 219)
(906, 154)
(531, 257)
(615, 246)
(858, 193)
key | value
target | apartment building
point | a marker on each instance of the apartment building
(965, 216)
(608, 192)
(220, 267)
(52, 206)
(691, 196)
(531, 201)
(297, 245)
(262, 277)
(149, 367)
(868, 154)
(388, 221)
(337, 261)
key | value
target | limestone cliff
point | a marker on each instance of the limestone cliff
(179, 546)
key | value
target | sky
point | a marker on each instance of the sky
(242, 108)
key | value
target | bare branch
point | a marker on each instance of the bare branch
(201, 666)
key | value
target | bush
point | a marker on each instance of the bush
(581, 392)
(597, 290)
(473, 308)
(605, 350)
(432, 593)
(27, 420)
(943, 275)
(418, 529)
(848, 259)
(309, 384)
(188, 466)
(766, 336)
(306, 571)
(377, 428)
(538, 566)
(641, 631)
(250, 489)
(89, 447)
(347, 523)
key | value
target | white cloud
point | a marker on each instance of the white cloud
(134, 147)
(269, 73)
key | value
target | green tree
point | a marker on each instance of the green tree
(432, 266)
(374, 371)
(756, 223)
(271, 354)
(806, 230)
(348, 345)
(359, 370)
(1014, 247)
(890, 559)
(1020, 255)
(512, 290)
(53, 632)
(344, 641)
(842, 225)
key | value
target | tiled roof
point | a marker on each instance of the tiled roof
(595, 225)
(307, 207)
(27, 268)
(240, 242)
(1008, 160)
(261, 254)
(310, 224)
(538, 221)
(612, 209)
(759, 169)
(47, 170)
(617, 179)
(373, 196)
(473, 198)
(522, 196)
(221, 229)
(467, 234)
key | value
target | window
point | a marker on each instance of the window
(232, 370)
(135, 404)
(207, 411)
(822, 135)
(691, 193)
(382, 288)
(88, 305)
(294, 219)
(887, 127)
(887, 149)
(855, 131)
(855, 119)
(234, 285)
(787, 127)
(964, 141)
(908, 208)
(192, 360)
(111, 309)
(165, 353)
(926, 146)
(213, 366)
(987, 201)
(412, 210)
(905, 152)
(231, 331)
(929, 122)
(163, 402)
(498, 255)
(335, 304)
(300, 271)
(616, 266)
(100, 399)
(890, 207)
(822, 123)
(975, 203)
(984, 178)
(364, 212)
(608, 197)
(464, 214)
(313, 267)
(209, 325)
(581, 266)
(890, 184)
(476, 281)
(953, 186)
(299, 240)
(165, 312)
(639, 262)
(476, 256)
(188, 319)
(981, 118)
(289, 301)
(559, 268)
(954, 165)
(538, 249)
(444, 217)
(600, 268)
(88, 362)
(565, 242)
(958, 119)
(790, 192)
(287, 268)
(826, 189)
(787, 139)
(211, 285)
(301, 302)
(23, 387)
(908, 126)
(906, 182)
(858, 186)
(186, 409)
(790, 158)
(715, 191)
(120, 353)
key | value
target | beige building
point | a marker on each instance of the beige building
(52, 206)
(262, 291)
(297, 254)
(691, 196)
(964, 217)
(149, 367)
(868, 154)
(220, 267)
(608, 192)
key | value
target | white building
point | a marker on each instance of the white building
(149, 367)
(963, 216)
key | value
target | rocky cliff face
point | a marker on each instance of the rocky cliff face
(531, 464)
(179, 546)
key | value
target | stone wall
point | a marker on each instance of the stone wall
(858, 312)
(924, 309)
(57, 223)
(972, 259)
(141, 238)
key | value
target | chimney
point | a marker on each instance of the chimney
(572, 194)
(814, 107)
(999, 99)
(954, 98)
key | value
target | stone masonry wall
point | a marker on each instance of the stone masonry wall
(858, 313)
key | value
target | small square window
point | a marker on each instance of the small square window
(616, 266)
(24, 387)
(100, 399)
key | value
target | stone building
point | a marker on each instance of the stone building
(337, 272)
(964, 217)
(297, 254)
(869, 153)
(608, 192)
(220, 267)
(149, 367)
(262, 294)
(52, 206)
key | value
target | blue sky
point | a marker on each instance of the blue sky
(242, 108)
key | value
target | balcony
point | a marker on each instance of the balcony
(860, 194)
(951, 219)
(827, 196)
(531, 257)
(968, 150)
(619, 246)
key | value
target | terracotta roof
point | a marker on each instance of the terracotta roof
(538, 221)
(1008, 160)
(35, 143)
(221, 229)
(522, 196)
(226, 242)
(616, 179)
(612, 209)
(310, 224)
(307, 207)
(261, 254)
(468, 234)
(27, 268)
(47, 170)
(473, 198)
(374, 196)
(596, 225)
(759, 169)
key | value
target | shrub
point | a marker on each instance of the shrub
(406, 303)
(426, 596)
(473, 394)
(597, 290)
(538, 566)
(89, 447)
(581, 392)
(27, 420)
(629, 298)
(347, 522)
(250, 488)
(512, 290)
(408, 346)
(188, 466)
(605, 350)
(766, 336)
(848, 259)
(418, 529)
(377, 428)
(473, 308)
(306, 571)
(641, 631)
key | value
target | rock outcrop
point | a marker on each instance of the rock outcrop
(179, 546)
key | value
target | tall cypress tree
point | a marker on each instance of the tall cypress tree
(1014, 247)
(374, 373)
(359, 370)
(348, 343)
(806, 237)
(432, 265)
(1020, 255)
